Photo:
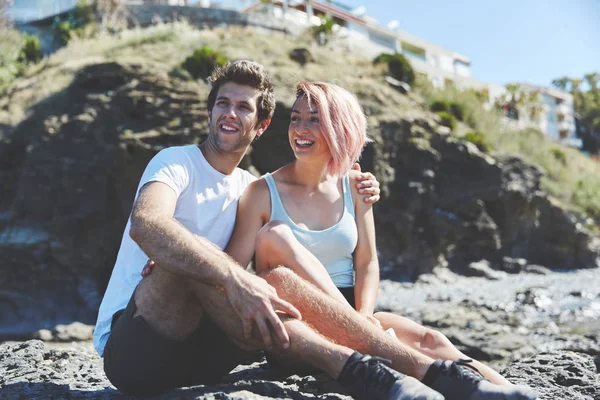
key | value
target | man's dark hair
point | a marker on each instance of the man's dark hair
(247, 73)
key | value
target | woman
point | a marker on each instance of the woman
(307, 217)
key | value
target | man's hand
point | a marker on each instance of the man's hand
(368, 185)
(257, 302)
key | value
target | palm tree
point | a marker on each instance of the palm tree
(592, 80)
(562, 83)
(575, 83)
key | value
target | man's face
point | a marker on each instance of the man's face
(234, 117)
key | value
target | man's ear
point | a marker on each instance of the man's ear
(209, 115)
(262, 126)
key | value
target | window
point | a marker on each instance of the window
(387, 42)
(563, 133)
(433, 60)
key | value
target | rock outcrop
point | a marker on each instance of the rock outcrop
(446, 203)
(69, 171)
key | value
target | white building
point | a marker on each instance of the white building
(553, 113)
(557, 116)
(363, 35)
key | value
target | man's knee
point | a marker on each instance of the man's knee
(280, 277)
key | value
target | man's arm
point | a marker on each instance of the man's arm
(366, 264)
(169, 243)
(176, 249)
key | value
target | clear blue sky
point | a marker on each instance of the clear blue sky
(531, 41)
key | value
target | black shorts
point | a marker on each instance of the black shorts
(140, 361)
(348, 293)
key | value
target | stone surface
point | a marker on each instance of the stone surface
(560, 375)
(32, 370)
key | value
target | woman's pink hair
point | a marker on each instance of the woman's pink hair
(342, 122)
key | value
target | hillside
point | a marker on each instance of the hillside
(78, 128)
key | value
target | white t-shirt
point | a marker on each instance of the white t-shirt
(207, 203)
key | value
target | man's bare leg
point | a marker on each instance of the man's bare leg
(174, 307)
(348, 328)
(344, 326)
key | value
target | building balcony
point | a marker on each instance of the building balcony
(564, 125)
(564, 109)
(414, 52)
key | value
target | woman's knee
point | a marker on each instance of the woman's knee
(273, 245)
(273, 233)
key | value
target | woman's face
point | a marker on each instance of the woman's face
(305, 136)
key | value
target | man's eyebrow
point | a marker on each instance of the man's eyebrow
(246, 103)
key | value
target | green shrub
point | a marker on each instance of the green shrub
(398, 67)
(458, 110)
(559, 155)
(447, 119)
(324, 32)
(439, 105)
(452, 107)
(203, 61)
(31, 50)
(62, 31)
(586, 196)
(11, 45)
(383, 58)
(479, 140)
(75, 22)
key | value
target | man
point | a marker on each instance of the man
(199, 314)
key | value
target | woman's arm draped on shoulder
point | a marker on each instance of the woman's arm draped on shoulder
(366, 265)
(253, 213)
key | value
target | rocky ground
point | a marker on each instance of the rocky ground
(540, 328)
(77, 131)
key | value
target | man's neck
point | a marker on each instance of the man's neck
(223, 162)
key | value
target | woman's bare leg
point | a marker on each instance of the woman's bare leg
(432, 343)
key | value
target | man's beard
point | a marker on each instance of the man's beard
(225, 146)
